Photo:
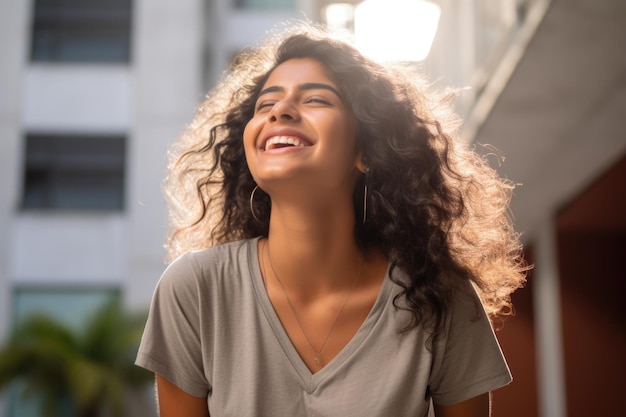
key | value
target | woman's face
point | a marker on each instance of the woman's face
(302, 130)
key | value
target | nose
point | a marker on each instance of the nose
(284, 110)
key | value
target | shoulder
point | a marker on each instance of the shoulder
(467, 309)
(468, 360)
(193, 271)
(227, 254)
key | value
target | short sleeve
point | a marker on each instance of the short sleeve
(171, 343)
(468, 360)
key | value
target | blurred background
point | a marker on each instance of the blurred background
(92, 92)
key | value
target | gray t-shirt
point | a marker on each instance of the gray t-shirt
(213, 332)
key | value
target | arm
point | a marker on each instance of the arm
(479, 406)
(175, 402)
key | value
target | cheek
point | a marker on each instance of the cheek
(346, 132)
(250, 133)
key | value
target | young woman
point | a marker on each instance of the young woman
(337, 252)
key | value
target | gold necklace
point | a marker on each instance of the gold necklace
(318, 353)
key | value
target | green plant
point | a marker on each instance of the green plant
(92, 368)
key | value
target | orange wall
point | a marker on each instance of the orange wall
(518, 399)
(593, 284)
(591, 251)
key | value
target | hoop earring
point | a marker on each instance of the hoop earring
(252, 205)
(364, 203)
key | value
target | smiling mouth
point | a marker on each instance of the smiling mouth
(277, 142)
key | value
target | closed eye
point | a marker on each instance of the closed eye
(317, 100)
(264, 105)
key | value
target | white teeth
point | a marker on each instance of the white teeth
(283, 140)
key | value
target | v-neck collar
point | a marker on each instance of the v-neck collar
(310, 381)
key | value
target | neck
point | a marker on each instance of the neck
(312, 248)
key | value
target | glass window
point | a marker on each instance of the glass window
(266, 4)
(81, 30)
(74, 172)
(70, 306)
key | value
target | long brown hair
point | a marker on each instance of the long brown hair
(435, 208)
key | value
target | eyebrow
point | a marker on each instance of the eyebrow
(302, 87)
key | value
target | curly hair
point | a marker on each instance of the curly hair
(435, 208)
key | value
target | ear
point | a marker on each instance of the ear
(360, 165)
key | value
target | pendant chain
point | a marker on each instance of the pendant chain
(318, 353)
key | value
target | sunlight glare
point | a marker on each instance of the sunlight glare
(339, 15)
(396, 30)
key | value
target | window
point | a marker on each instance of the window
(74, 172)
(266, 4)
(81, 31)
(68, 305)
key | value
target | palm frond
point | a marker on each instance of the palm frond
(93, 367)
